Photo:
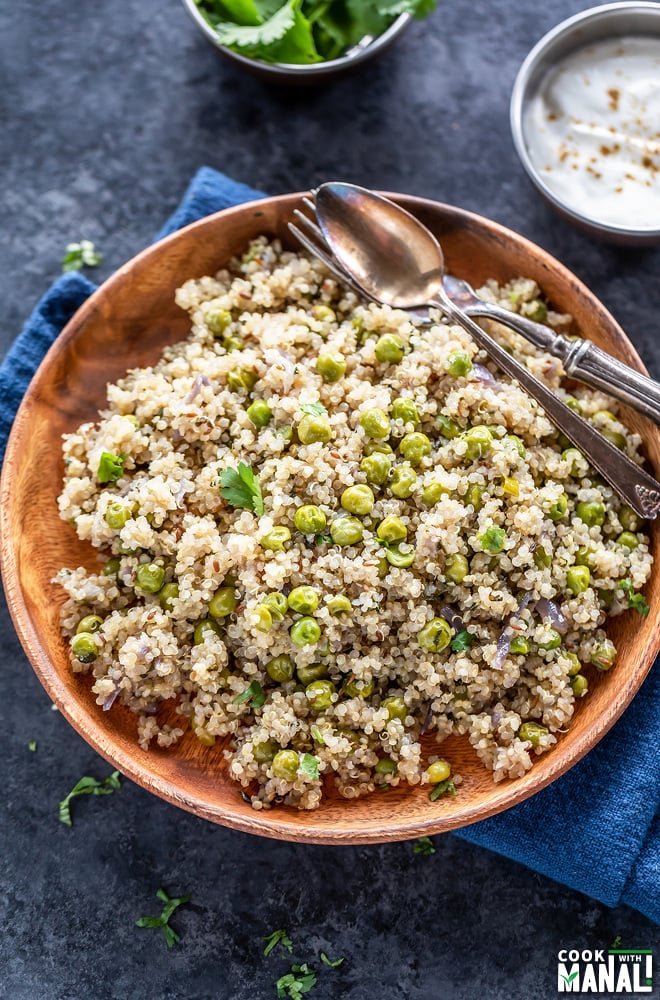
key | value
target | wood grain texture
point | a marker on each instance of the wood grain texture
(126, 323)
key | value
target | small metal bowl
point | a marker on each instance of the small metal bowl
(610, 21)
(293, 73)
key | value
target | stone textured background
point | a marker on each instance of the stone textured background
(106, 111)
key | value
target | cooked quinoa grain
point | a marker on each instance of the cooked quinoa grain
(383, 493)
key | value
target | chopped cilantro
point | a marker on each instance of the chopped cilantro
(79, 255)
(323, 539)
(111, 467)
(88, 786)
(317, 735)
(462, 641)
(171, 936)
(277, 937)
(294, 984)
(635, 600)
(32, 745)
(493, 539)
(240, 488)
(316, 409)
(444, 788)
(310, 766)
(328, 961)
(424, 846)
(253, 694)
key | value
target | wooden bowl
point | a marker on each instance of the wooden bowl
(126, 323)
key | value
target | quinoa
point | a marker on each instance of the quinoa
(492, 540)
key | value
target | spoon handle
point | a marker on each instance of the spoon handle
(583, 361)
(639, 490)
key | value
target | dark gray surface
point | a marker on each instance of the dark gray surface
(106, 111)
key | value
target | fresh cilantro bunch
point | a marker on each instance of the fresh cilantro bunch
(303, 31)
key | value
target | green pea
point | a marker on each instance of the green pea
(277, 604)
(358, 499)
(396, 708)
(217, 321)
(478, 441)
(386, 766)
(264, 752)
(339, 604)
(630, 521)
(241, 380)
(232, 344)
(346, 531)
(513, 441)
(493, 539)
(84, 648)
(578, 579)
(399, 559)
(584, 556)
(90, 623)
(390, 348)
(376, 468)
(375, 423)
(602, 416)
(614, 437)
(458, 364)
(558, 509)
(305, 632)
(359, 689)
(574, 660)
(606, 597)
(167, 594)
(285, 765)
(542, 558)
(310, 519)
(531, 732)
(434, 491)
(285, 432)
(314, 428)
(112, 566)
(372, 447)
(277, 539)
(312, 672)
(474, 495)
(392, 529)
(519, 646)
(149, 578)
(436, 635)
(280, 668)
(259, 413)
(331, 366)
(319, 695)
(628, 540)
(552, 642)
(261, 619)
(205, 629)
(579, 685)
(117, 514)
(537, 311)
(324, 313)
(414, 447)
(457, 568)
(575, 459)
(448, 427)
(603, 655)
(223, 602)
(403, 480)
(383, 568)
(304, 600)
(405, 409)
(438, 771)
(592, 512)
(573, 403)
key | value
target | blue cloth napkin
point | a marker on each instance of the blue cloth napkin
(596, 829)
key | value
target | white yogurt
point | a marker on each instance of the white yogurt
(592, 131)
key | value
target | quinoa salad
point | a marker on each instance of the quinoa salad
(329, 537)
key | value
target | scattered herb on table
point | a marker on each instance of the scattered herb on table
(88, 786)
(316, 409)
(424, 845)
(462, 641)
(328, 961)
(310, 766)
(294, 984)
(79, 255)
(278, 937)
(616, 943)
(111, 467)
(171, 936)
(444, 788)
(635, 600)
(254, 694)
(32, 745)
(240, 488)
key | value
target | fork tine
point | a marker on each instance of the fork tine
(310, 226)
(316, 251)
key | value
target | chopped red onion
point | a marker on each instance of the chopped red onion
(427, 720)
(484, 375)
(550, 609)
(196, 388)
(452, 617)
(110, 700)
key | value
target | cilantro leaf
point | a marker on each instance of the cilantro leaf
(111, 467)
(32, 745)
(328, 961)
(444, 788)
(240, 488)
(310, 766)
(316, 409)
(170, 935)
(277, 937)
(418, 8)
(79, 255)
(294, 984)
(324, 539)
(635, 600)
(424, 845)
(253, 694)
(462, 641)
(87, 786)
(282, 35)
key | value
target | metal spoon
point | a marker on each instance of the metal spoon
(397, 261)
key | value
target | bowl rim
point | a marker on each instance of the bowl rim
(520, 95)
(360, 53)
(285, 824)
